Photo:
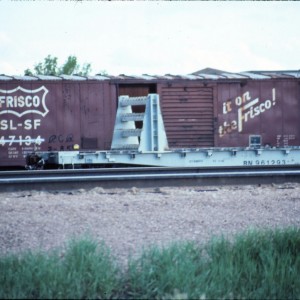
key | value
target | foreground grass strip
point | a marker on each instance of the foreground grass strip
(255, 265)
(85, 271)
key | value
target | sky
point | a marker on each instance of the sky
(151, 37)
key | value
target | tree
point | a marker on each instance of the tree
(50, 67)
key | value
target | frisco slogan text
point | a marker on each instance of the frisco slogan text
(248, 109)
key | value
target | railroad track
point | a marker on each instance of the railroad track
(141, 177)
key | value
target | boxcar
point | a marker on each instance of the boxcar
(49, 113)
(208, 108)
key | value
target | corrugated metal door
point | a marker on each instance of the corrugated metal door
(188, 114)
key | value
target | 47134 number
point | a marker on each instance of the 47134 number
(20, 140)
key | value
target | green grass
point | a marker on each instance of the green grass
(85, 271)
(254, 265)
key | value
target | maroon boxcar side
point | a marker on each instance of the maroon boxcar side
(54, 115)
(269, 109)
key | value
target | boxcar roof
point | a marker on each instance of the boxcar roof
(208, 73)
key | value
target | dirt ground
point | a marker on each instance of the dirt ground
(128, 220)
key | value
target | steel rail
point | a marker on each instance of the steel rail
(56, 176)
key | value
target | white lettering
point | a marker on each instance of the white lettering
(246, 97)
(15, 102)
(224, 109)
(244, 116)
(2, 100)
(9, 101)
(30, 101)
(3, 125)
(27, 124)
(20, 140)
(238, 101)
(36, 101)
(227, 128)
(274, 96)
(36, 123)
(268, 104)
(247, 110)
(11, 125)
(21, 101)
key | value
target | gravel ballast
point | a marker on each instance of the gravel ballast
(130, 220)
